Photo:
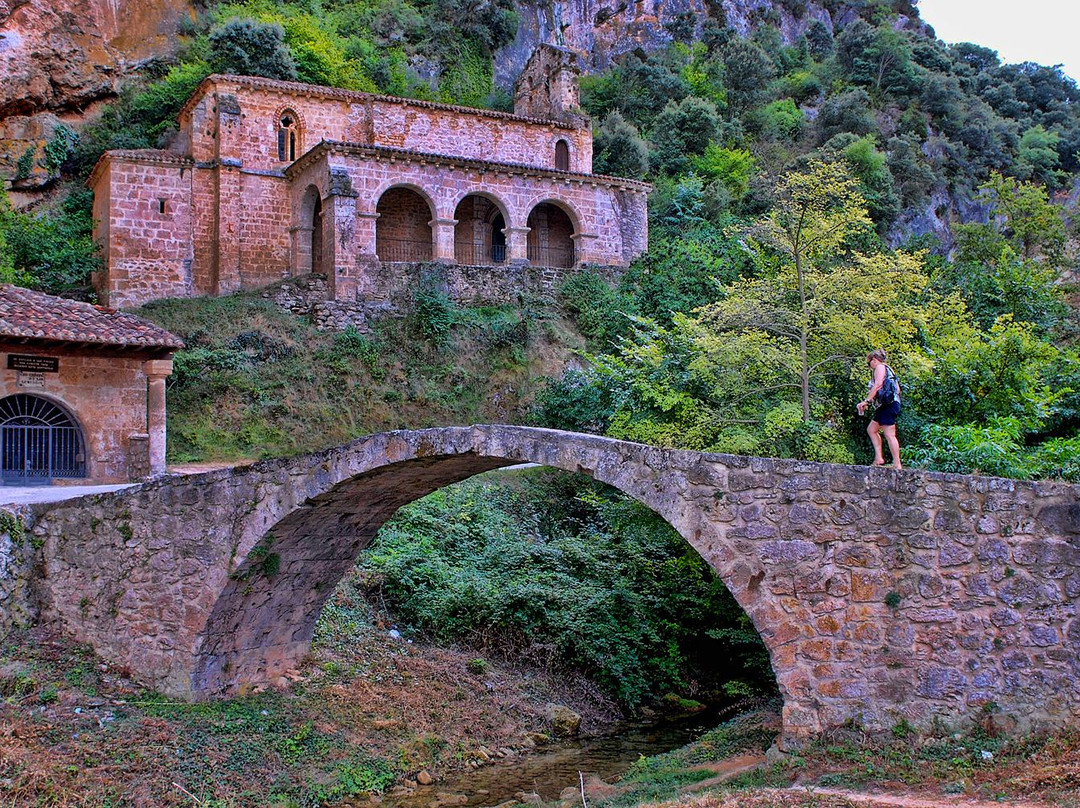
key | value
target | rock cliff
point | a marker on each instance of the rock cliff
(63, 55)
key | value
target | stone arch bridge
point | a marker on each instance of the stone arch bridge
(881, 596)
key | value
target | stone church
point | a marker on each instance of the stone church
(275, 179)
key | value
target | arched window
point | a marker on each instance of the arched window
(288, 137)
(39, 441)
(562, 156)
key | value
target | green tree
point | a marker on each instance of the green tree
(1037, 155)
(683, 130)
(822, 310)
(250, 48)
(619, 150)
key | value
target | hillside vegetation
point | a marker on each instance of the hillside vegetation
(256, 381)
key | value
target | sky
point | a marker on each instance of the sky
(1043, 31)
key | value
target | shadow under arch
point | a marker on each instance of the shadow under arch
(479, 237)
(41, 438)
(553, 228)
(264, 618)
(403, 229)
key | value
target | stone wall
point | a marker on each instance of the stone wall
(882, 596)
(325, 113)
(143, 215)
(20, 571)
(307, 295)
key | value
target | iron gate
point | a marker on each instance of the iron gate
(38, 441)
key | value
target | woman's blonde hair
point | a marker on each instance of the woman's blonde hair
(877, 354)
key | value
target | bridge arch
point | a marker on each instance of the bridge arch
(264, 618)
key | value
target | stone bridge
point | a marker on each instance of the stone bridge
(881, 596)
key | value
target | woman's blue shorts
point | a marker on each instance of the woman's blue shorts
(886, 416)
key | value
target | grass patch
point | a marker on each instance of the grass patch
(255, 381)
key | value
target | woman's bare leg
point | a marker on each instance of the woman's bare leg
(874, 431)
(894, 444)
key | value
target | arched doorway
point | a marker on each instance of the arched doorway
(478, 236)
(550, 239)
(403, 229)
(317, 236)
(39, 441)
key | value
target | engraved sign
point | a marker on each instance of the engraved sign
(35, 364)
(30, 378)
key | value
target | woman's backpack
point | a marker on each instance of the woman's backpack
(887, 393)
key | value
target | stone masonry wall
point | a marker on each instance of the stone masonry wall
(329, 114)
(148, 250)
(307, 295)
(882, 596)
(20, 571)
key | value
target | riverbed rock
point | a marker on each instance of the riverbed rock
(565, 723)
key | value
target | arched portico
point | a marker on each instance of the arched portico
(479, 235)
(403, 229)
(552, 231)
(308, 232)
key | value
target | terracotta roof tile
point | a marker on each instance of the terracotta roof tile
(36, 315)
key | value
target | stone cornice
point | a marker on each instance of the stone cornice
(143, 156)
(391, 154)
(320, 91)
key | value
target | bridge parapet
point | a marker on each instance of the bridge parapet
(881, 596)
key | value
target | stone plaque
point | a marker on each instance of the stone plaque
(30, 378)
(35, 364)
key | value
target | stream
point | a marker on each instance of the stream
(551, 768)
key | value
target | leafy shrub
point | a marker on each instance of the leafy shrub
(570, 574)
(250, 48)
(781, 119)
(50, 250)
(434, 314)
(618, 149)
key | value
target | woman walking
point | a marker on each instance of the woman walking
(885, 396)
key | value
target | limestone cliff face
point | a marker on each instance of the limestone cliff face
(59, 56)
(62, 54)
(602, 30)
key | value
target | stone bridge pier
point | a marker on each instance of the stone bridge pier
(881, 596)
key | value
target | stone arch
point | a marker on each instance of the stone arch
(553, 231)
(310, 232)
(479, 239)
(403, 229)
(41, 438)
(289, 131)
(264, 617)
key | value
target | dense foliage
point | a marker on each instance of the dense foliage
(570, 574)
(771, 362)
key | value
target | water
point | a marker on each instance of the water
(551, 768)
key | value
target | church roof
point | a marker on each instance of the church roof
(27, 315)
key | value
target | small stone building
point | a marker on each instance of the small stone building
(274, 179)
(82, 391)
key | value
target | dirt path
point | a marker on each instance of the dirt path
(861, 800)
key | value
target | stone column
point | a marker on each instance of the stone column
(517, 244)
(584, 249)
(443, 232)
(157, 370)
